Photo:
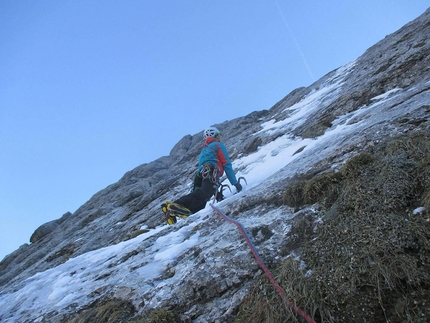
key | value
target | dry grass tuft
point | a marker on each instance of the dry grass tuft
(105, 311)
(120, 311)
(321, 188)
(162, 316)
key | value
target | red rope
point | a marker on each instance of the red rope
(262, 265)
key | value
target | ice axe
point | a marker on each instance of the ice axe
(244, 179)
(220, 193)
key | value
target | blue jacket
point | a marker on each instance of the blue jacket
(215, 153)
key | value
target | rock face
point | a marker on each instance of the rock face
(47, 228)
(390, 83)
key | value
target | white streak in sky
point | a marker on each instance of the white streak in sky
(295, 42)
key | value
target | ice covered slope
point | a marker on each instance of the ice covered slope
(201, 266)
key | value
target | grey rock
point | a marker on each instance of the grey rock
(46, 228)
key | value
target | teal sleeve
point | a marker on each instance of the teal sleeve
(228, 167)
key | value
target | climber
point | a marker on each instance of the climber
(213, 161)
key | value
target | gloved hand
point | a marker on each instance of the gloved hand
(238, 187)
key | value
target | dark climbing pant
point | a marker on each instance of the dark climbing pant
(204, 188)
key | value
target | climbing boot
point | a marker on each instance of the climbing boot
(179, 210)
(174, 210)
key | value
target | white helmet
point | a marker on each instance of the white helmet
(211, 132)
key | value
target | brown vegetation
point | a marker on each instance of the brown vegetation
(367, 258)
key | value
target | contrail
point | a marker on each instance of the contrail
(295, 42)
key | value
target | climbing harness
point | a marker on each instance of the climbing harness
(210, 171)
(262, 265)
(207, 171)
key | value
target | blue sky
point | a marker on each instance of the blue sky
(91, 89)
